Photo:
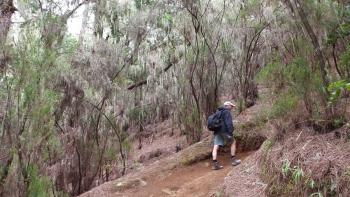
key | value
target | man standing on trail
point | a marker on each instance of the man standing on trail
(225, 136)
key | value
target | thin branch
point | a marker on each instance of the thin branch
(41, 6)
(116, 132)
(127, 62)
(144, 81)
(206, 7)
(138, 84)
(70, 13)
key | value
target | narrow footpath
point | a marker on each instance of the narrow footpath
(193, 180)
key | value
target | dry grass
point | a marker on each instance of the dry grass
(323, 158)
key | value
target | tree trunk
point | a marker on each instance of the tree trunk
(5, 173)
(6, 11)
(319, 55)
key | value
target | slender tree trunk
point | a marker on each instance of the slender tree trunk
(319, 54)
(5, 173)
(84, 24)
(6, 11)
(335, 59)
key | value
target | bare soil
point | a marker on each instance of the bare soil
(158, 141)
(244, 181)
(194, 180)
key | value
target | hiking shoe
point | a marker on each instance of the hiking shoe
(235, 162)
(217, 166)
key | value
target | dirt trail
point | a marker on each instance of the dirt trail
(194, 180)
(171, 176)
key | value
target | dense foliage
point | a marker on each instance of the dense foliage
(69, 104)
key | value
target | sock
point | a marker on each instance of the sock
(214, 161)
(233, 156)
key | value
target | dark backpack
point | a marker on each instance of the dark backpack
(215, 121)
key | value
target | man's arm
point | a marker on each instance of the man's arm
(228, 122)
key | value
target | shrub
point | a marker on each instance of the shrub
(39, 186)
(293, 83)
(345, 62)
(137, 114)
(336, 88)
(283, 105)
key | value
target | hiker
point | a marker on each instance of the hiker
(225, 136)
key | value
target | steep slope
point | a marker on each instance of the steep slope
(188, 172)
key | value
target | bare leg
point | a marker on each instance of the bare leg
(233, 148)
(215, 151)
(216, 165)
(235, 161)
